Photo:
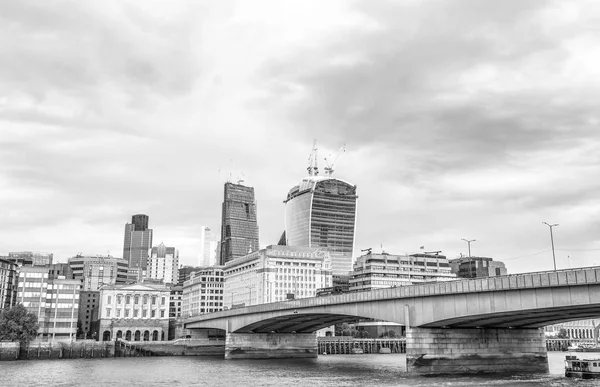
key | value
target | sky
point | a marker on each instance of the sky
(462, 119)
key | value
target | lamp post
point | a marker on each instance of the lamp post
(552, 241)
(469, 244)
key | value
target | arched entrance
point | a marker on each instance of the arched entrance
(128, 335)
(137, 336)
(146, 335)
(119, 334)
(106, 336)
(155, 336)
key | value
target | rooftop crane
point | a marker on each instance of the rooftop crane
(313, 168)
(330, 165)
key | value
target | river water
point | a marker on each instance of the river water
(325, 371)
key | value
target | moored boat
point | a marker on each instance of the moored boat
(582, 368)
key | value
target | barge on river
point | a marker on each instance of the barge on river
(582, 368)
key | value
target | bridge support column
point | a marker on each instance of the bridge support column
(432, 351)
(270, 345)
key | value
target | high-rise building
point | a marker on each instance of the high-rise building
(203, 292)
(239, 227)
(208, 247)
(321, 212)
(163, 264)
(96, 271)
(136, 247)
(36, 258)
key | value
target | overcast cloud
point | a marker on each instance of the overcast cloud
(462, 119)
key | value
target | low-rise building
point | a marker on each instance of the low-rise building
(136, 312)
(276, 273)
(477, 267)
(378, 271)
(203, 292)
(53, 299)
(96, 271)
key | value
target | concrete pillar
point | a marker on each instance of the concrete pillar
(270, 345)
(463, 351)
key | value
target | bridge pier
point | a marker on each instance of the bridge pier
(431, 351)
(270, 345)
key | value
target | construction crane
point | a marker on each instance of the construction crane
(313, 168)
(333, 158)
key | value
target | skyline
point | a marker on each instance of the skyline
(460, 122)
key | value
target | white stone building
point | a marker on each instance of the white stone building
(137, 312)
(276, 273)
(203, 292)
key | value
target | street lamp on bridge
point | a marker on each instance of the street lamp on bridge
(469, 244)
(552, 241)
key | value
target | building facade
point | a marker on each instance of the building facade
(136, 246)
(208, 247)
(96, 271)
(239, 226)
(54, 300)
(321, 212)
(163, 264)
(203, 292)
(378, 271)
(36, 258)
(136, 312)
(8, 283)
(87, 322)
(477, 267)
(276, 273)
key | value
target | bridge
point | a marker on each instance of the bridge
(473, 325)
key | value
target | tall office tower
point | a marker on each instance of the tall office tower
(208, 247)
(163, 264)
(136, 248)
(239, 228)
(321, 212)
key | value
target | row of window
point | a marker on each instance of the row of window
(136, 313)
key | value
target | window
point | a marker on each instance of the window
(109, 299)
(144, 313)
(119, 299)
(153, 300)
(127, 299)
(162, 301)
(126, 312)
(135, 313)
(118, 312)
(153, 313)
(162, 313)
(107, 312)
(136, 299)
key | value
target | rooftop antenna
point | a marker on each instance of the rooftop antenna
(313, 168)
(333, 157)
(240, 179)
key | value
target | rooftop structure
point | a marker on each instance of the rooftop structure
(31, 258)
(321, 212)
(239, 226)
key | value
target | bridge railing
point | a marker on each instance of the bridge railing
(567, 277)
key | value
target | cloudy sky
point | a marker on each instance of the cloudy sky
(461, 119)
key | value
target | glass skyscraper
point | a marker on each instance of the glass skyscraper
(239, 227)
(321, 212)
(136, 246)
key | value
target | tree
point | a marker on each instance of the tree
(562, 334)
(17, 324)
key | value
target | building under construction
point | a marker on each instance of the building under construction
(239, 227)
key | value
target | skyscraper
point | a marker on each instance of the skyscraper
(239, 228)
(208, 247)
(136, 248)
(321, 212)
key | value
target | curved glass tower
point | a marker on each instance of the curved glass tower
(321, 212)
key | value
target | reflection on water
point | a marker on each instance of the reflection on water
(330, 370)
